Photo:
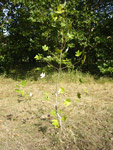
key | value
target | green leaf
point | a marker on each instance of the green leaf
(85, 91)
(71, 45)
(31, 40)
(63, 24)
(78, 53)
(83, 61)
(37, 69)
(55, 123)
(38, 57)
(78, 95)
(67, 102)
(58, 51)
(63, 118)
(55, 18)
(21, 92)
(70, 35)
(23, 83)
(53, 113)
(45, 48)
(60, 7)
(61, 90)
(78, 100)
(17, 86)
(80, 80)
(47, 96)
(32, 19)
(59, 11)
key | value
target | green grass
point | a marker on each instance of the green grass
(27, 124)
(33, 73)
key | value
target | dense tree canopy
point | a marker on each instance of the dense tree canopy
(26, 26)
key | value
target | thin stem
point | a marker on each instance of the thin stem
(57, 82)
(60, 122)
(58, 77)
(52, 66)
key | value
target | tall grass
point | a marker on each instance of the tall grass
(75, 76)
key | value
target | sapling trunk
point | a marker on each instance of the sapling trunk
(56, 94)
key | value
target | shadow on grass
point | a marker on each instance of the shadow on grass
(29, 71)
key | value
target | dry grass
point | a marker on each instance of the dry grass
(26, 125)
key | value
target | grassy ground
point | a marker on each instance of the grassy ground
(26, 125)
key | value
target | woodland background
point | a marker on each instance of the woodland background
(25, 26)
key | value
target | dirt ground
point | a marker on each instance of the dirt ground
(25, 124)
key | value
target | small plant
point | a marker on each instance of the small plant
(20, 90)
(58, 59)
